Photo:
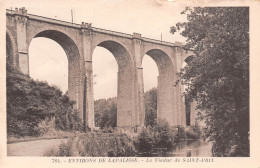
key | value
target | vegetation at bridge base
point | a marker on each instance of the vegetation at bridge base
(99, 144)
(35, 108)
(149, 142)
(163, 137)
(218, 76)
(94, 144)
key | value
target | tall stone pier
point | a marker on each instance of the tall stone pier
(79, 42)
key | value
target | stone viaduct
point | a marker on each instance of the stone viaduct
(79, 42)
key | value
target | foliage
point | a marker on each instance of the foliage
(29, 102)
(218, 76)
(145, 141)
(97, 145)
(47, 126)
(105, 112)
(150, 99)
(63, 150)
(111, 145)
(181, 134)
(164, 135)
(197, 130)
(193, 133)
(161, 136)
(108, 130)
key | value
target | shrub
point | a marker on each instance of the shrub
(105, 144)
(180, 134)
(145, 141)
(47, 126)
(164, 135)
(30, 102)
(64, 149)
(67, 119)
(197, 130)
(160, 136)
(108, 129)
(97, 145)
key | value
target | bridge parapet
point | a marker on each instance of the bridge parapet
(86, 25)
(111, 32)
(158, 41)
(137, 35)
(23, 12)
(41, 18)
(20, 11)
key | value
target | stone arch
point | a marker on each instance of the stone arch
(75, 78)
(120, 53)
(63, 40)
(163, 61)
(166, 51)
(165, 88)
(125, 99)
(100, 39)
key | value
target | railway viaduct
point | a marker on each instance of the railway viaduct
(79, 42)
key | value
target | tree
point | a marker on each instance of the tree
(145, 141)
(163, 135)
(106, 112)
(150, 99)
(218, 76)
(29, 102)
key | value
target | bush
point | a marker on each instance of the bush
(64, 149)
(180, 134)
(105, 112)
(160, 136)
(164, 135)
(31, 102)
(97, 145)
(108, 129)
(103, 144)
(47, 126)
(145, 141)
(197, 130)
(68, 120)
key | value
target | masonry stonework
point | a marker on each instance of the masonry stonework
(79, 41)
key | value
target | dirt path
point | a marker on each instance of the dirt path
(33, 148)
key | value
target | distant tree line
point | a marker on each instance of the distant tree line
(106, 110)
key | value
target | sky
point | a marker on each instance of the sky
(151, 18)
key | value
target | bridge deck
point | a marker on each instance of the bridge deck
(99, 30)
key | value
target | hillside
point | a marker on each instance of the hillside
(29, 102)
